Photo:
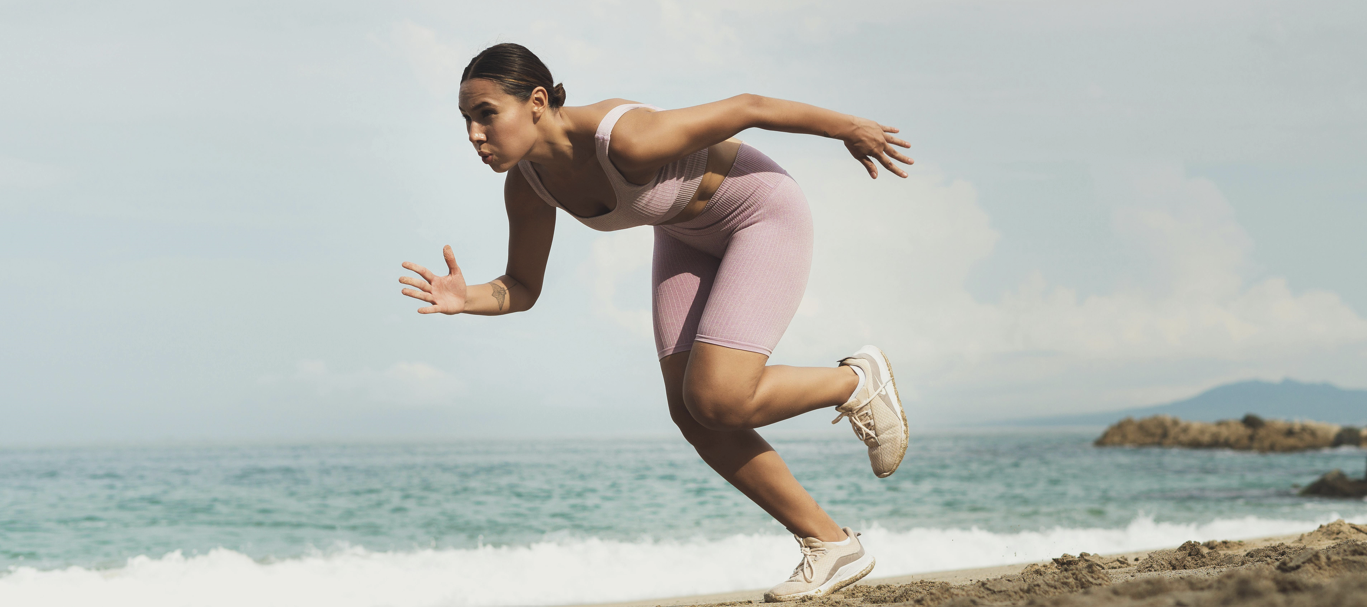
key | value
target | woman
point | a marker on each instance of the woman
(733, 243)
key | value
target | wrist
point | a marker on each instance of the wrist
(844, 127)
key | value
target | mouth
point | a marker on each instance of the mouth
(486, 157)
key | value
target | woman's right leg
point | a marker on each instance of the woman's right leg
(683, 279)
(747, 461)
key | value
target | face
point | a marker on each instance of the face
(501, 127)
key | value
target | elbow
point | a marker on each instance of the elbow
(529, 302)
(752, 106)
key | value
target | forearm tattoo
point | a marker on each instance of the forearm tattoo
(500, 291)
(500, 294)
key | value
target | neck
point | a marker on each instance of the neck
(554, 147)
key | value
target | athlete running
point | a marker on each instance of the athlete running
(733, 248)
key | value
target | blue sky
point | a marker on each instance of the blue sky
(203, 209)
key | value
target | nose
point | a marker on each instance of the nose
(477, 136)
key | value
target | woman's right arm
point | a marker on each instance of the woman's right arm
(531, 227)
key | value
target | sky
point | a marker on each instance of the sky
(203, 209)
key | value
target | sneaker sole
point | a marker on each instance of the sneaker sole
(885, 366)
(847, 575)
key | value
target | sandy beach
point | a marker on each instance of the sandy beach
(1327, 566)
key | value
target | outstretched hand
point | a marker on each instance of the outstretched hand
(445, 293)
(870, 141)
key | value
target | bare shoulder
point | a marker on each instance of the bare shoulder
(593, 113)
(518, 195)
(607, 104)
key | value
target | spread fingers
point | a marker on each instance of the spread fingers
(421, 271)
(890, 166)
(870, 166)
(419, 295)
(900, 157)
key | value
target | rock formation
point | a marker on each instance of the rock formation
(1336, 484)
(1252, 433)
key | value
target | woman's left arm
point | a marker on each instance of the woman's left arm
(652, 139)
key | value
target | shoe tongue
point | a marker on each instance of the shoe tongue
(812, 542)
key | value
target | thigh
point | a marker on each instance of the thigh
(762, 276)
(682, 277)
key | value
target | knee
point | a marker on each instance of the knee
(717, 410)
(695, 433)
(708, 442)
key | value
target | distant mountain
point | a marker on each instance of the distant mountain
(1288, 399)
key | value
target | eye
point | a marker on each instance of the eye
(486, 113)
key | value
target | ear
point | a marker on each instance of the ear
(540, 101)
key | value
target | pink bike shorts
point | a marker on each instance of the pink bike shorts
(734, 275)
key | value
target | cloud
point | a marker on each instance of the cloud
(561, 46)
(893, 258)
(701, 27)
(622, 259)
(437, 64)
(402, 383)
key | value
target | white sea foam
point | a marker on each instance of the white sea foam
(567, 571)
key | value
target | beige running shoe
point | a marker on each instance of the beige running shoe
(825, 568)
(875, 411)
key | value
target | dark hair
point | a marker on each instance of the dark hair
(516, 70)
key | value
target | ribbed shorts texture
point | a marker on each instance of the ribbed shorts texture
(734, 276)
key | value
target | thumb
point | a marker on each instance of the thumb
(451, 260)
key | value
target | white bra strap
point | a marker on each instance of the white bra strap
(534, 180)
(603, 138)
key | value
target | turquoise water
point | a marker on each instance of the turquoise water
(96, 507)
(574, 521)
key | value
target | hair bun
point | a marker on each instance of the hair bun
(558, 95)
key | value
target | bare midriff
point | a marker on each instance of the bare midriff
(720, 157)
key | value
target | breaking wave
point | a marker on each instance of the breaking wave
(565, 572)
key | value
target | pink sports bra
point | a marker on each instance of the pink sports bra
(648, 204)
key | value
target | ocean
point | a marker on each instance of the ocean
(567, 521)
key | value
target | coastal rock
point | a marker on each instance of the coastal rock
(1252, 433)
(1336, 484)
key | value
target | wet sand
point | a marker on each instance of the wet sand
(1327, 566)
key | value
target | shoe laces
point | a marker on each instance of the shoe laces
(807, 568)
(861, 415)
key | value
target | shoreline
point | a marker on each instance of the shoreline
(954, 576)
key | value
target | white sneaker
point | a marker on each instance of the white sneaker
(825, 568)
(875, 411)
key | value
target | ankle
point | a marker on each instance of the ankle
(844, 541)
(858, 382)
(828, 534)
(833, 536)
